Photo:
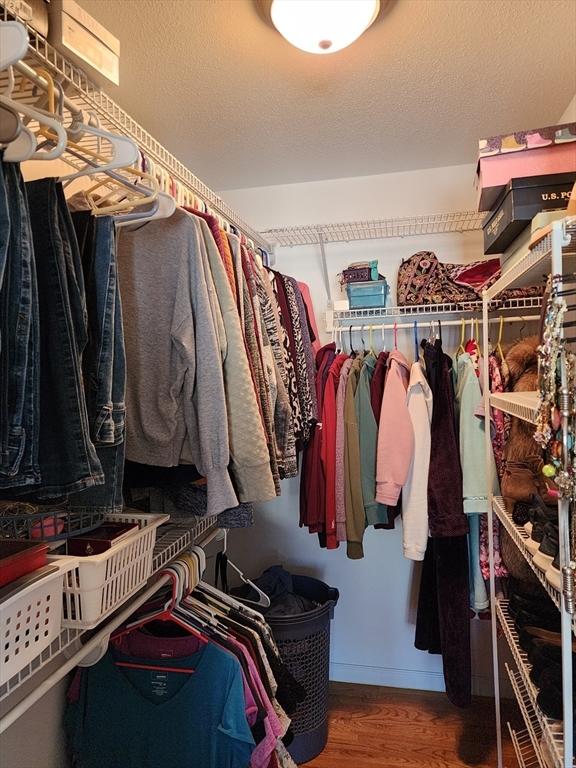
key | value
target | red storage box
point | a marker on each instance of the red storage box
(17, 558)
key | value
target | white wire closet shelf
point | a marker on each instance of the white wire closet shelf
(526, 692)
(172, 539)
(524, 750)
(519, 537)
(524, 405)
(537, 262)
(466, 308)
(347, 232)
(89, 97)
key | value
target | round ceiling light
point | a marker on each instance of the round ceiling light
(323, 26)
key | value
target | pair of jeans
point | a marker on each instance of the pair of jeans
(19, 337)
(104, 364)
(67, 456)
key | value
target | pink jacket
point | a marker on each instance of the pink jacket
(395, 433)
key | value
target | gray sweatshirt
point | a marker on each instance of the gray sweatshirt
(175, 385)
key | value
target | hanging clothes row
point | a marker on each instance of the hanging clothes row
(197, 682)
(167, 343)
(400, 437)
(219, 357)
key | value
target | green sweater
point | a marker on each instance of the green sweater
(368, 438)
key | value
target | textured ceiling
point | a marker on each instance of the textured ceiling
(234, 101)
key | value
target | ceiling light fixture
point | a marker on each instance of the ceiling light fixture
(323, 26)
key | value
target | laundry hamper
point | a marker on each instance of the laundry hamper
(304, 643)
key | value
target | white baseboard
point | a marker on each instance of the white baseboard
(402, 678)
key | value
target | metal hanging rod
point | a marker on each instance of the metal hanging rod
(81, 93)
(423, 325)
(347, 232)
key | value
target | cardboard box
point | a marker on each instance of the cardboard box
(80, 37)
(33, 12)
(496, 171)
(521, 200)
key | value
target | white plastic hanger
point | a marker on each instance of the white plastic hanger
(263, 599)
(124, 150)
(13, 43)
(59, 133)
(163, 207)
(22, 148)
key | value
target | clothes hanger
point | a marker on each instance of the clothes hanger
(263, 599)
(10, 124)
(352, 350)
(522, 327)
(461, 350)
(50, 127)
(343, 340)
(124, 151)
(164, 207)
(477, 339)
(22, 148)
(498, 350)
(13, 43)
(371, 347)
(395, 336)
(167, 615)
(416, 346)
(133, 194)
(226, 602)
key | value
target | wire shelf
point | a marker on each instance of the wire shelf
(172, 540)
(519, 536)
(526, 755)
(89, 97)
(470, 307)
(536, 262)
(523, 405)
(530, 719)
(537, 723)
(347, 232)
(175, 538)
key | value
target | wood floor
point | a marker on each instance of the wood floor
(372, 727)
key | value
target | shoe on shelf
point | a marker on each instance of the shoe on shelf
(554, 574)
(536, 140)
(552, 674)
(540, 515)
(549, 547)
(540, 650)
(534, 604)
(542, 620)
(528, 637)
(549, 697)
(511, 143)
(521, 514)
(545, 671)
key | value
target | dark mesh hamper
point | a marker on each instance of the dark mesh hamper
(304, 643)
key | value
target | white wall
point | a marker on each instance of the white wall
(373, 630)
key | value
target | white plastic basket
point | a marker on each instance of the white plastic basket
(101, 583)
(31, 619)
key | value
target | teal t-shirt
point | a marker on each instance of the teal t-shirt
(133, 718)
